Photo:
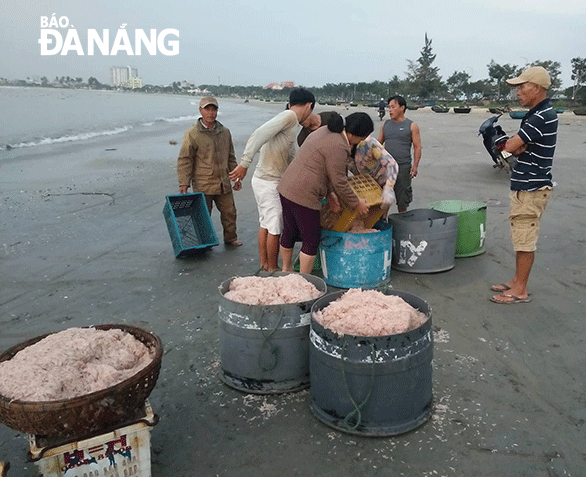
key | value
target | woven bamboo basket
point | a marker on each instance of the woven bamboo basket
(86, 414)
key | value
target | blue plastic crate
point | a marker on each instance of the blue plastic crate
(189, 223)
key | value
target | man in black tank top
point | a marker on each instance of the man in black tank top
(398, 134)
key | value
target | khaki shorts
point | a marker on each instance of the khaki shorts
(525, 215)
(268, 203)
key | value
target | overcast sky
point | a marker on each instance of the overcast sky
(310, 42)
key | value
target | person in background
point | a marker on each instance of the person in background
(312, 123)
(531, 177)
(319, 169)
(275, 141)
(204, 163)
(381, 108)
(398, 134)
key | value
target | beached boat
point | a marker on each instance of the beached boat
(497, 110)
(580, 111)
(412, 107)
(559, 110)
(517, 114)
(439, 109)
(462, 110)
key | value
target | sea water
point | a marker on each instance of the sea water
(34, 117)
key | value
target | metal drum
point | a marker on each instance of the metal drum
(265, 349)
(424, 241)
(372, 386)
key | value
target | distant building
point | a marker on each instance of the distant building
(121, 76)
(196, 91)
(135, 82)
(280, 86)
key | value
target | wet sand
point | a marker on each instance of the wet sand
(83, 241)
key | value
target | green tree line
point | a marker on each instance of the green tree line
(423, 83)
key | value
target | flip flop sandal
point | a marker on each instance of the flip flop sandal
(513, 299)
(500, 288)
(261, 269)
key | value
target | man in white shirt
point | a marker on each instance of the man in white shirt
(275, 141)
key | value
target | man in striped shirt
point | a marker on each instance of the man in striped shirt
(531, 179)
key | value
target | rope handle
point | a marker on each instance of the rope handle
(356, 413)
(273, 349)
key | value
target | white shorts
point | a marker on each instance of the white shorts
(270, 212)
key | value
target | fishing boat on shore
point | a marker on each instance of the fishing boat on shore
(462, 110)
(580, 111)
(439, 109)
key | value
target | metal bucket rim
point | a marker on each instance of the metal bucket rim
(404, 216)
(466, 205)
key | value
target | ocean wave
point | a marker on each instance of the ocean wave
(92, 134)
(77, 137)
(178, 119)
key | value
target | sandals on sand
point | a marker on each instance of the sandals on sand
(509, 299)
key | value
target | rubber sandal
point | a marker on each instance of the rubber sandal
(260, 270)
(503, 287)
(513, 300)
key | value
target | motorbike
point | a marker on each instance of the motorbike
(381, 113)
(494, 139)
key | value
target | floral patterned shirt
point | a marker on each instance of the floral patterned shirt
(373, 159)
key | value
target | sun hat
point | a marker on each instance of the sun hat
(207, 100)
(534, 74)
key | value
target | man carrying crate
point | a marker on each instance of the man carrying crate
(204, 163)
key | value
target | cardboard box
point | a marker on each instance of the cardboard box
(122, 452)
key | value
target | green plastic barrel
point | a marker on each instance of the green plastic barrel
(471, 224)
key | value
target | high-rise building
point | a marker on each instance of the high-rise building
(121, 75)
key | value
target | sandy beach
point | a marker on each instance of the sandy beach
(83, 241)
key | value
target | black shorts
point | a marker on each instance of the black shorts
(300, 224)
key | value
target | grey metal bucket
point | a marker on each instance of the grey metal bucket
(372, 386)
(424, 240)
(265, 349)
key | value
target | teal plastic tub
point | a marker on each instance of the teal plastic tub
(360, 260)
